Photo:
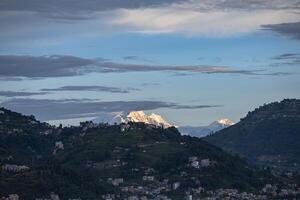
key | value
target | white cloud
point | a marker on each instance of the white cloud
(189, 21)
(208, 18)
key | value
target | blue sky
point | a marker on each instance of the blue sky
(193, 62)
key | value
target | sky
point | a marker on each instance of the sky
(191, 61)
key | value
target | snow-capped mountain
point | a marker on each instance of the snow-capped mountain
(111, 118)
(203, 131)
(140, 116)
(134, 116)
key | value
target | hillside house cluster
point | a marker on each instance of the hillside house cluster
(14, 168)
(197, 163)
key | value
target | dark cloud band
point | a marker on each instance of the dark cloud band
(94, 88)
(49, 109)
(62, 65)
(20, 94)
(287, 29)
(43, 66)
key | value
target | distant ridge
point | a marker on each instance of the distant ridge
(202, 131)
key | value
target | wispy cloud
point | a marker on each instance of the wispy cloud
(287, 56)
(94, 88)
(195, 106)
(123, 67)
(62, 65)
(49, 109)
(286, 59)
(20, 94)
(137, 58)
(187, 19)
(44, 66)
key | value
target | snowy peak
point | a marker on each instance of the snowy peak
(133, 116)
(140, 116)
(225, 122)
(111, 118)
(154, 118)
(221, 123)
(203, 131)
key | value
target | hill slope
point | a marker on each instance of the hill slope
(91, 160)
(270, 135)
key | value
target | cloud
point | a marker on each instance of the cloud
(195, 107)
(287, 56)
(43, 66)
(49, 109)
(17, 94)
(188, 20)
(287, 29)
(183, 70)
(209, 18)
(286, 59)
(5, 78)
(75, 8)
(137, 58)
(94, 88)
(63, 65)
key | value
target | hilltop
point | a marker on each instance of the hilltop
(269, 136)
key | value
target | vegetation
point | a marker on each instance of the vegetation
(269, 136)
(79, 161)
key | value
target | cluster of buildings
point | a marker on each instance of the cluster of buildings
(10, 197)
(160, 190)
(14, 168)
(197, 163)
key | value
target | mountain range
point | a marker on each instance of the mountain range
(133, 116)
(157, 120)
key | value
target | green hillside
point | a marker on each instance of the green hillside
(270, 135)
(95, 161)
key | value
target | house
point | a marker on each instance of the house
(205, 162)
(48, 132)
(58, 146)
(11, 197)
(193, 158)
(125, 127)
(148, 178)
(54, 197)
(195, 164)
(115, 181)
(176, 185)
